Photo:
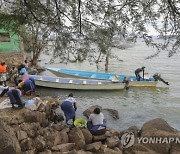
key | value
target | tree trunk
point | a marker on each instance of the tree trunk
(107, 61)
(97, 61)
(36, 54)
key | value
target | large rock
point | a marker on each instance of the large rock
(49, 136)
(87, 136)
(83, 152)
(29, 116)
(76, 136)
(111, 132)
(113, 113)
(100, 138)
(15, 120)
(26, 144)
(112, 141)
(46, 152)
(21, 135)
(61, 138)
(150, 128)
(110, 151)
(63, 147)
(93, 147)
(158, 128)
(90, 110)
(8, 141)
(41, 118)
(59, 127)
(29, 152)
(39, 144)
(139, 149)
(175, 148)
(32, 129)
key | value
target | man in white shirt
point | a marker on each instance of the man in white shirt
(96, 123)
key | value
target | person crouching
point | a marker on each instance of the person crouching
(97, 123)
(15, 97)
(27, 86)
(69, 108)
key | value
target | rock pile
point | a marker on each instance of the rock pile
(31, 132)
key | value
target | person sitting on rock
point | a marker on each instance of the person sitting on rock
(97, 123)
(137, 73)
(15, 97)
(69, 108)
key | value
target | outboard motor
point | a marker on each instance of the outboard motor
(157, 77)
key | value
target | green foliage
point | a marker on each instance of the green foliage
(78, 24)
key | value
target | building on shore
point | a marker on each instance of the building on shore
(11, 47)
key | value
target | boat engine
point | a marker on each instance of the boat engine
(158, 77)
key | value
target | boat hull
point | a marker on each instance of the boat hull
(142, 84)
(72, 84)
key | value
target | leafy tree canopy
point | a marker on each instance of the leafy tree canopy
(77, 24)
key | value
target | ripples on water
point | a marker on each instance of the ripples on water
(137, 105)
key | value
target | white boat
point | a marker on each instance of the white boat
(76, 84)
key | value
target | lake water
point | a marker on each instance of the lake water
(136, 105)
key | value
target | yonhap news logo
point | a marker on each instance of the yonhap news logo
(128, 139)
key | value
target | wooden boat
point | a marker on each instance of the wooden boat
(79, 84)
(147, 82)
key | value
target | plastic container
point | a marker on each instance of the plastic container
(80, 123)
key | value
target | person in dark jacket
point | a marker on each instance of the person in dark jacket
(137, 73)
(15, 97)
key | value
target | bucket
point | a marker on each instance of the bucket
(80, 123)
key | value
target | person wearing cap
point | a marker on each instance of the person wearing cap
(138, 71)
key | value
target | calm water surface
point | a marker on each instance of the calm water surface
(136, 105)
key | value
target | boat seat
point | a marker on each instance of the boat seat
(84, 82)
(70, 81)
(93, 76)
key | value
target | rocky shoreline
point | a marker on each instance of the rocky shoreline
(27, 131)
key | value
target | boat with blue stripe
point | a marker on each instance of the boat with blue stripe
(146, 82)
(77, 84)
